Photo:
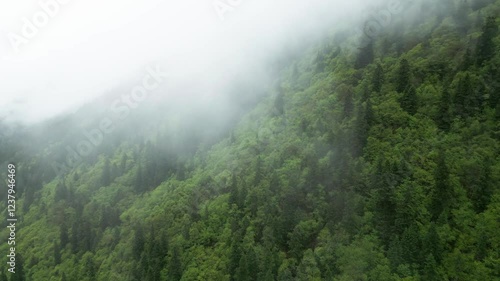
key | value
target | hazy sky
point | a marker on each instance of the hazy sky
(88, 47)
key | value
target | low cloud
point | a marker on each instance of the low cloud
(85, 49)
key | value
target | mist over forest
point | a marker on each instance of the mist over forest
(239, 140)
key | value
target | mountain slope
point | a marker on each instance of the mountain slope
(378, 164)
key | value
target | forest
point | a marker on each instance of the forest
(379, 162)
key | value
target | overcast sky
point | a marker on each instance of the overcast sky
(88, 47)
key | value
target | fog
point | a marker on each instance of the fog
(85, 49)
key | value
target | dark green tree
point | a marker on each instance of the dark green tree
(467, 61)
(138, 244)
(175, 265)
(486, 48)
(57, 253)
(378, 78)
(279, 102)
(61, 192)
(403, 81)
(19, 274)
(139, 184)
(430, 271)
(444, 115)
(442, 193)
(467, 100)
(365, 56)
(409, 100)
(63, 235)
(106, 174)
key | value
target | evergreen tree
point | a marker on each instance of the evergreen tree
(378, 79)
(409, 101)
(106, 174)
(432, 244)
(57, 253)
(175, 266)
(63, 235)
(234, 259)
(139, 184)
(442, 192)
(411, 245)
(486, 49)
(467, 100)
(123, 163)
(279, 102)
(444, 117)
(430, 271)
(365, 56)
(89, 266)
(61, 192)
(138, 245)
(19, 274)
(403, 79)
(467, 61)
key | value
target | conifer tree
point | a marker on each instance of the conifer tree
(365, 56)
(444, 117)
(485, 49)
(403, 79)
(378, 79)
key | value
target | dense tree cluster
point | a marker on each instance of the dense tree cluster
(382, 165)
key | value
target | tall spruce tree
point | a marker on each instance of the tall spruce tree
(486, 48)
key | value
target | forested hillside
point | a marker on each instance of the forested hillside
(373, 163)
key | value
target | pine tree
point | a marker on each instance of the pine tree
(90, 268)
(486, 49)
(139, 183)
(430, 272)
(411, 245)
(138, 244)
(364, 119)
(403, 79)
(234, 259)
(444, 117)
(442, 192)
(57, 253)
(123, 164)
(409, 101)
(106, 174)
(365, 56)
(75, 239)
(467, 100)
(346, 97)
(279, 103)
(20, 274)
(175, 265)
(378, 79)
(258, 171)
(61, 192)
(432, 244)
(234, 194)
(467, 61)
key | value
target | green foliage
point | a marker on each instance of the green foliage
(486, 48)
(352, 171)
